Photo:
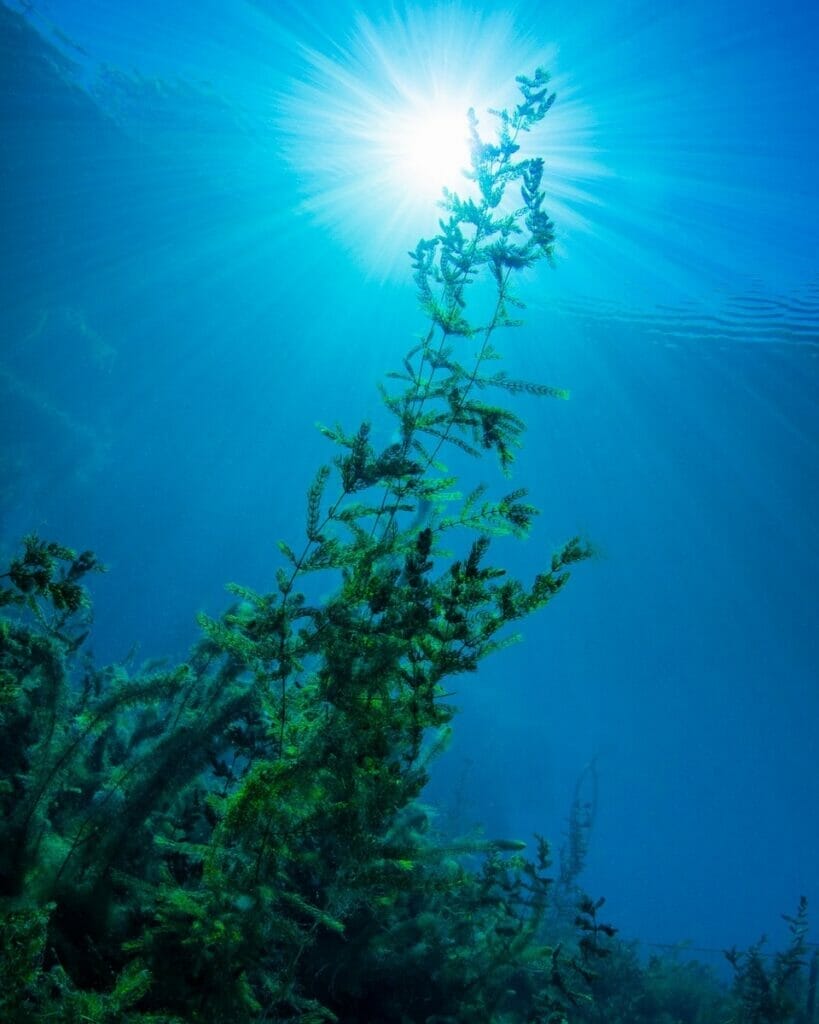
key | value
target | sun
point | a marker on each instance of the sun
(376, 126)
(431, 147)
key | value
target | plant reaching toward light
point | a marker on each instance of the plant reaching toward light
(374, 124)
(440, 405)
(217, 834)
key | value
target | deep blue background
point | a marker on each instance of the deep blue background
(173, 323)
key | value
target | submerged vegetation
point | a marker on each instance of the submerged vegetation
(241, 837)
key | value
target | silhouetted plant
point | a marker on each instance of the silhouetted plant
(668, 989)
(773, 993)
(574, 851)
(671, 989)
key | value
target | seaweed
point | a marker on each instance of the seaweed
(242, 837)
(776, 993)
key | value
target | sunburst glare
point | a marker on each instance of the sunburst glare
(376, 126)
(430, 146)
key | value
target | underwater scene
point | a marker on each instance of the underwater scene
(409, 512)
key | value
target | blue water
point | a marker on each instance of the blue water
(189, 282)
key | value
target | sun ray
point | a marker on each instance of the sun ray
(376, 126)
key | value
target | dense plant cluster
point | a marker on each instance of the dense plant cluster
(240, 837)
(772, 989)
(777, 988)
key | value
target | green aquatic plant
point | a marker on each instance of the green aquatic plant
(239, 837)
(671, 988)
(630, 988)
(774, 993)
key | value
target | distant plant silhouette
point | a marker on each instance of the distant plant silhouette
(626, 988)
(775, 993)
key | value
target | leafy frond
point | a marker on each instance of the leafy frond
(500, 380)
(314, 496)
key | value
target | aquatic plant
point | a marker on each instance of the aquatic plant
(774, 993)
(239, 837)
(632, 989)
(670, 988)
(574, 851)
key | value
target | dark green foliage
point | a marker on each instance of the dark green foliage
(42, 582)
(663, 990)
(670, 989)
(239, 838)
(773, 993)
